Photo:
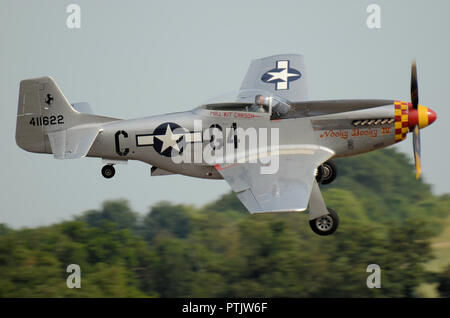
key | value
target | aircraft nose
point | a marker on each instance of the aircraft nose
(431, 116)
(422, 117)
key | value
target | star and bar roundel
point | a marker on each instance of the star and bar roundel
(168, 139)
(281, 75)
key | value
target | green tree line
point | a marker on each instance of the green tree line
(219, 250)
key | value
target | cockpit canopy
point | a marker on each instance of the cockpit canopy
(251, 101)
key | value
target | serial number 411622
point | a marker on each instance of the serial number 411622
(47, 120)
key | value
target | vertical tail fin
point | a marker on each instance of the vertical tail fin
(45, 116)
(42, 108)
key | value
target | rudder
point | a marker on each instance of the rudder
(47, 122)
(42, 108)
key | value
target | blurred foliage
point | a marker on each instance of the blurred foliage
(219, 250)
(444, 282)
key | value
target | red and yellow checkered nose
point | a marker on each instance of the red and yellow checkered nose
(407, 117)
(401, 120)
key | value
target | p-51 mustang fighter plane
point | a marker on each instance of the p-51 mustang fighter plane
(229, 140)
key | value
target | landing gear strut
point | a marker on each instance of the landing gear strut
(108, 171)
(327, 172)
(322, 220)
(325, 224)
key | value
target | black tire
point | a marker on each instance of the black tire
(326, 224)
(108, 171)
(319, 175)
(329, 172)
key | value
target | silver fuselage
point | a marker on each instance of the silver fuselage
(117, 140)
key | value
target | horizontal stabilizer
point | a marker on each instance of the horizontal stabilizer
(83, 107)
(73, 143)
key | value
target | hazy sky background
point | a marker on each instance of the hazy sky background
(140, 58)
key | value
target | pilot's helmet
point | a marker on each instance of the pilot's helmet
(263, 101)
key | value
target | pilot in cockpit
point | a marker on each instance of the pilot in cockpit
(260, 105)
(263, 104)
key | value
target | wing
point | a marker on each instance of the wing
(280, 75)
(287, 190)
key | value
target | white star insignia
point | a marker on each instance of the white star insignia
(169, 139)
(283, 75)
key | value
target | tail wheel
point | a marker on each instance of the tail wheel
(329, 172)
(325, 224)
(108, 171)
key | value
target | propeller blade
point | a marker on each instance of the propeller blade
(414, 87)
(416, 146)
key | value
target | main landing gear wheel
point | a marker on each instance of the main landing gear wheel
(108, 171)
(319, 174)
(326, 173)
(325, 224)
